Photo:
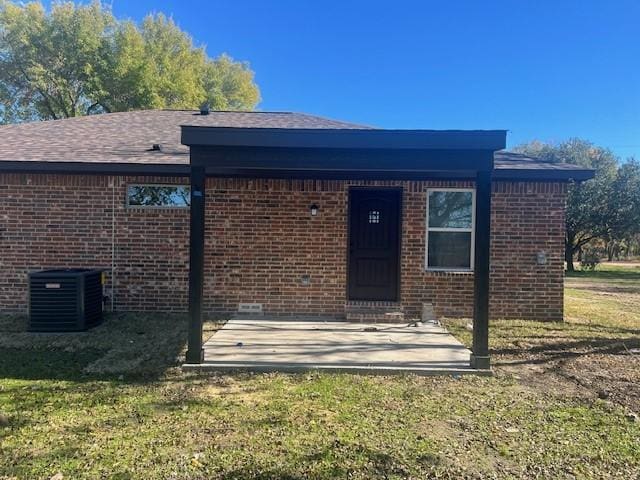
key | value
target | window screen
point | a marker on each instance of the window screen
(450, 229)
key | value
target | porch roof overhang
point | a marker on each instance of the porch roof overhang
(344, 138)
(342, 153)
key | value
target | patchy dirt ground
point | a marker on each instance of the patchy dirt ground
(594, 354)
(613, 377)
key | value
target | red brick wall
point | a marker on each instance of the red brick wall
(50, 221)
(261, 241)
(451, 293)
(527, 218)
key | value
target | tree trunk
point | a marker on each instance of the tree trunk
(609, 246)
(568, 257)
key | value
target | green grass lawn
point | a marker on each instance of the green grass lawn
(110, 403)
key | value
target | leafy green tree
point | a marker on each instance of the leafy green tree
(623, 219)
(75, 60)
(589, 204)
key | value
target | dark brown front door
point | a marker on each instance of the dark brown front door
(374, 244)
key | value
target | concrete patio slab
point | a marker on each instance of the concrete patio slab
(296, 345)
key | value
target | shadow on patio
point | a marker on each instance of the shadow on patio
(297, 345)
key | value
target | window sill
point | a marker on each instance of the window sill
(155, 208)
(446, 272)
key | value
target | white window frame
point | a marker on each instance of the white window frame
(471, 230)
(152, 207)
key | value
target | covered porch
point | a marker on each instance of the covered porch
(353, 154)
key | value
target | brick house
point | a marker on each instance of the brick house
(304, 215)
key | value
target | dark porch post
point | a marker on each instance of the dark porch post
(480, 355)
(195, 353)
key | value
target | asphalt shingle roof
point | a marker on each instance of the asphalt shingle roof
(504, 160)
(128, 137)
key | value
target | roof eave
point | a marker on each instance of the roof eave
(182, 170)
(95, 168)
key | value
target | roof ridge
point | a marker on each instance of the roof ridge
(79, 117)
(149, 112)
(329, 119)
(195, 110)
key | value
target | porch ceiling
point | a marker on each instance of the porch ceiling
(318, 163)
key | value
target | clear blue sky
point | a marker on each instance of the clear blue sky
(544, 70)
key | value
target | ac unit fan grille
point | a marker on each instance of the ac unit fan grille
(65, 300)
